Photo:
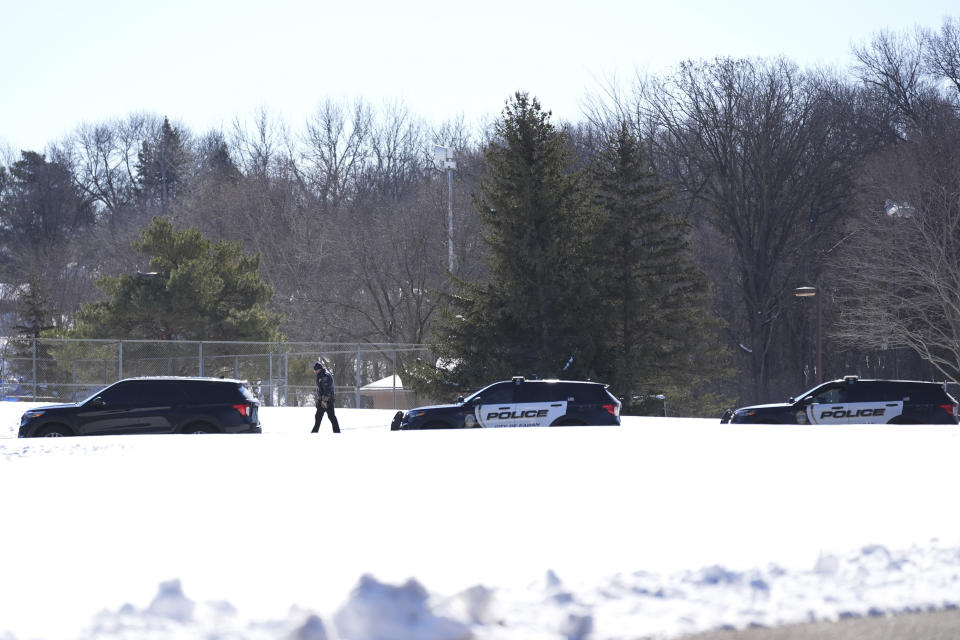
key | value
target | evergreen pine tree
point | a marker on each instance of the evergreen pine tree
(196, 290)
(41, 206)
(533, 316)
(162, 169)
(33, 308)
(35, 316)
(660, 335)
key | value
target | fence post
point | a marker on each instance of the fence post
(35, 369)
(356, 387)
(270, 380)
(286, 378)
(200, 353)
(119, 362)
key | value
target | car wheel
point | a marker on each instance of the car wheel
(55, 431)
(199, 427)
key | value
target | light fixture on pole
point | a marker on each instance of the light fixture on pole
(444, 158)
(806, 292)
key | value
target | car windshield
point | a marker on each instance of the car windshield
(476, 394)
(92, 395)
(810, 392)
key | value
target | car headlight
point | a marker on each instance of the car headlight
(30, 415)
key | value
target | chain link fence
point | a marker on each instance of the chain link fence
(280, 373)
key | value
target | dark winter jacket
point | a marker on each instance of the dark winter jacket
(325, 386)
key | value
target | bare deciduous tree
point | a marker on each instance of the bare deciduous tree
(337, 143)
(103, 157)
(901, 275)
(763, 151)
(942, 54)
(260, 147)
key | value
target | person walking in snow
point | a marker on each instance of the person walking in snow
(325, 397)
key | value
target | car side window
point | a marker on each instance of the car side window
(143, 393)
(501, 393)
(928, 393)
(586, 393)
(207, 392)
(832, 395)
(867, 392)
(537, 392)
(153, 392)
(163, 392)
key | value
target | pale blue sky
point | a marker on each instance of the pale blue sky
(203, 63)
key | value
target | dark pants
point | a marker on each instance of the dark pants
(319, 417)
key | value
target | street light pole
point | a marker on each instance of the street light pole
(450, 213)
(444, 157)
(819, 335)
(806, 292)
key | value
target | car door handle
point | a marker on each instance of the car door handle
(891, 404)
(834, 408)
(559, 404)
(502, 408)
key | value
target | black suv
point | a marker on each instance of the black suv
(151, 405)
(519, 403)
(855, 401)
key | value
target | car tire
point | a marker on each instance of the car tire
(200, 428)
(55, 431)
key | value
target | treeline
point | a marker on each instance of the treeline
(768, 177)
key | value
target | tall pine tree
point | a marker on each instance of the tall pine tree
(533, 316)
(162, 169)
(660, 337)
(33, 308)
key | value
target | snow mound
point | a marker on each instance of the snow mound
(376, 610)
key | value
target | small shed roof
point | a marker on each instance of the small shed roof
(389, 383)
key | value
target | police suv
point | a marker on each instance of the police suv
(855, 401)
(519, 403)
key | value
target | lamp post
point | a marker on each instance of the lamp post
(444, 158)
(806, 292)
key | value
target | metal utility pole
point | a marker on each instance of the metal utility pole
(444, 157)
(807, 292)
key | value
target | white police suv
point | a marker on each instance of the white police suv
(519, 403)
(855, 401)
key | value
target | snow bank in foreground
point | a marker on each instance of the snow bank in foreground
(661, 528)
(872, 581)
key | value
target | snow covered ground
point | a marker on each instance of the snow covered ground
(658, 528)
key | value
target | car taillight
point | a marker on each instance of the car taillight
(949, 408)
(243, 409)
(611, 408)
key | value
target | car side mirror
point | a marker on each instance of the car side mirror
(459, 399)
(97, 402)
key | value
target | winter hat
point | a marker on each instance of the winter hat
(317, 365)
